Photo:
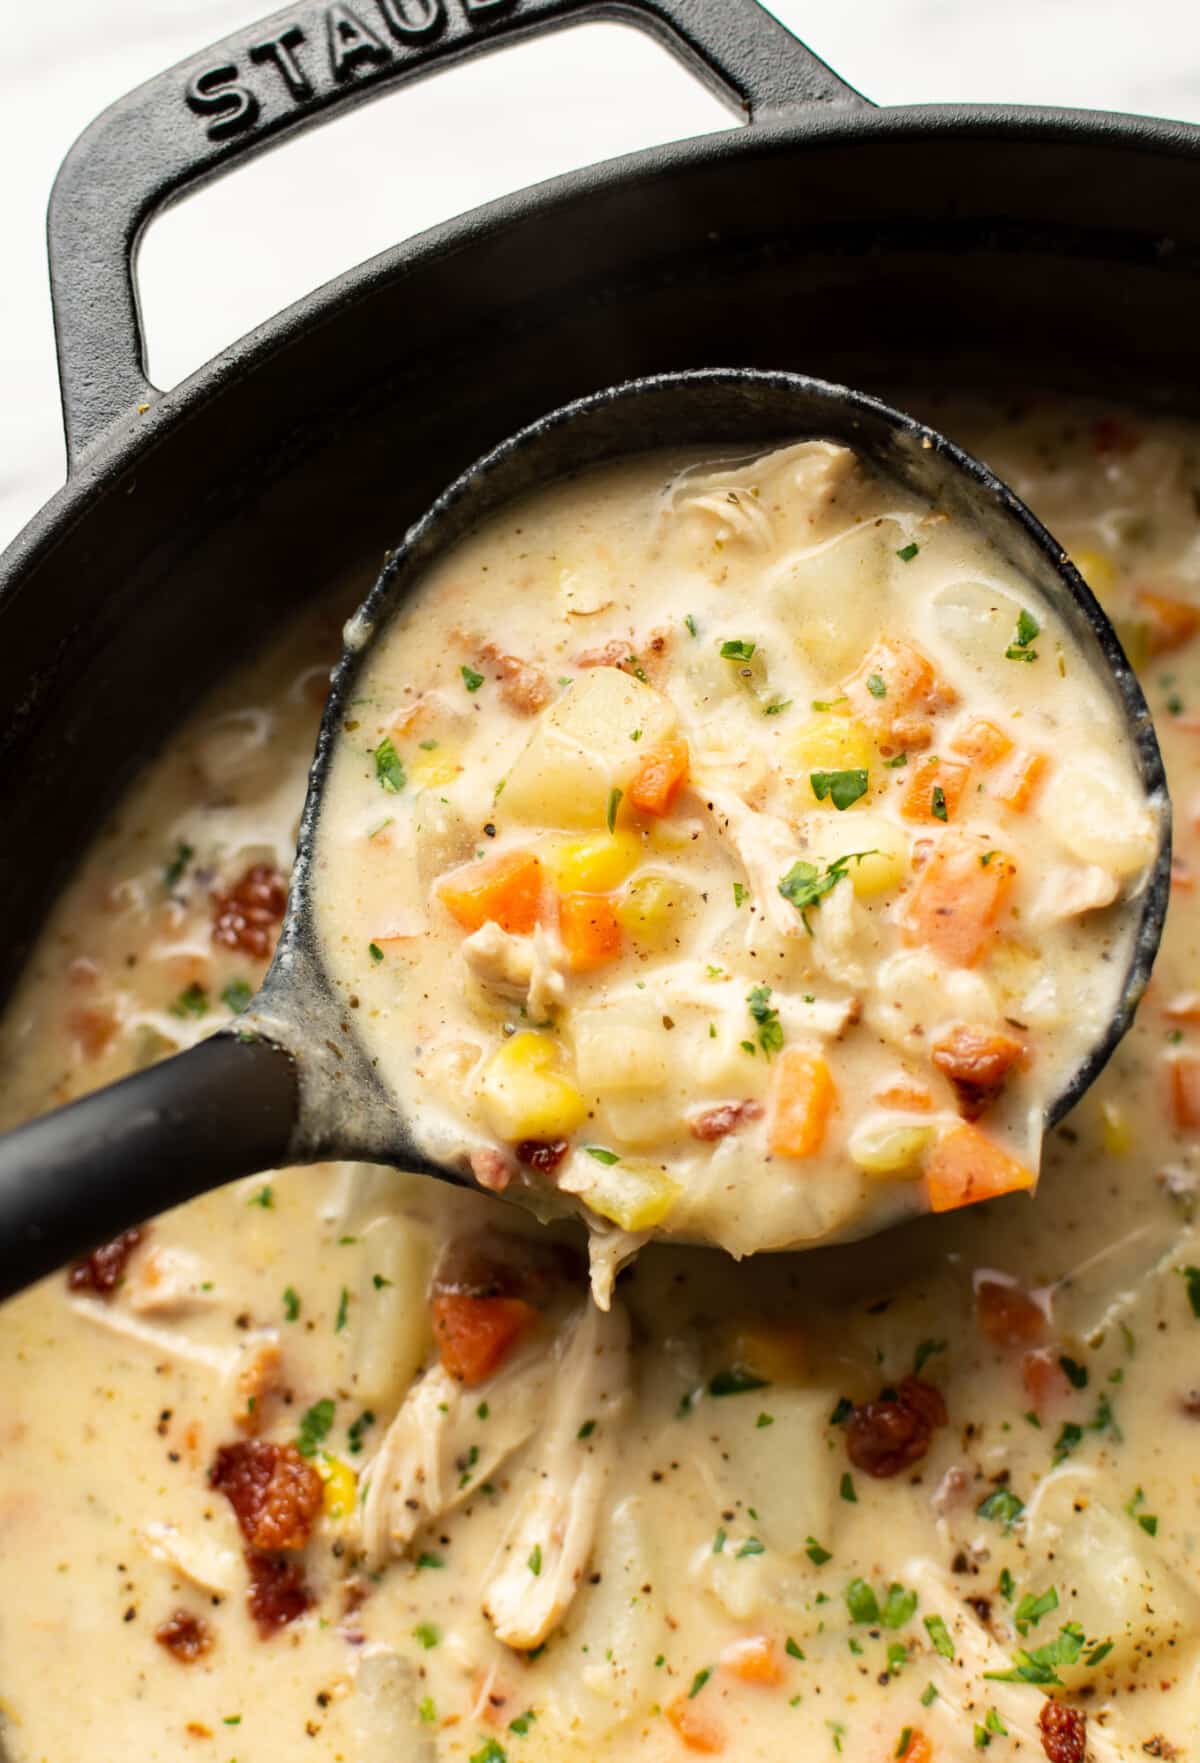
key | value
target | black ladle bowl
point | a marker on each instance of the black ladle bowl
(291, 1083)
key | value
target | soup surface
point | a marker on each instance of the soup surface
(737, 852)
(338, 1464)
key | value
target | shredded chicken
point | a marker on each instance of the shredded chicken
(259, 1377)
(198, 1555)
(168, 1282)
(545, 1553)
(766, 848)
(166, 1343)
(388, 1723)
(526, 969)
(418, 1472)
(1069, 890)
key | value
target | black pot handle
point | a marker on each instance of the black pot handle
(242, 94)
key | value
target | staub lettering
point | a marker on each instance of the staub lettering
(355, 38)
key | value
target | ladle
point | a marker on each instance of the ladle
(289, 1082)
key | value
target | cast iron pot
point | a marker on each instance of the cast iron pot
(911, 249)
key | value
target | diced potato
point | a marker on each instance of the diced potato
(594, 864)
(634, 1195)
(786, 1471)
(392, 1335)
(523, 1096)
(613, 1629)
(889, 1149)
(830, 742)
(655, 910)
(887, 867)
(580, 750)
(828, 598)
(1095, 819)
(619, 1046)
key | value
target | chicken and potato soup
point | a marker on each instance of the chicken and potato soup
(739, 852)
(343, 1466)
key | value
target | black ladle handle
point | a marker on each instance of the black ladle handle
(264, 81)
(80, 1175)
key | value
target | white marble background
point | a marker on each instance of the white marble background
(219, 263)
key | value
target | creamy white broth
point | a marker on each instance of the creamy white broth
(91, 1466)
(887, 884)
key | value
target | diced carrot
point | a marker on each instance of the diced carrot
(965, 1166)
(1183, 1007)
(802, 1097)
(476, 1335)
(911, 692)
(660, 777)
(1022, 779)
(983, 742)
(935, 790)
(909, 1097)
(917, 1749)
(1044, 1379)
(1007, 1315)
(1170, 622)
(590, 930)
(953, 904)
(698, 1730)
(754, 1660)
(1185, 1091)
(504, 890)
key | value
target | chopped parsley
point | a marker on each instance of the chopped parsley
(764, 1419)
(343, 1311)
(877, 685)
(719, 1541)
(776, 706)
(925, 1351)
(1030, 1610)
(427, 1710)
(264, 1197)
(1075, 1373)
(492, 1751)
(614, 802)
(428, 1633)
(471, 679)
(1069, 1437)
(937, 803)
(792, 1649)
(522, 1723)
(737, 649)
(586, 1430)
(1147, 1520)
(847, 1488)
(929, 1693)
(601, 1154)
(843, 1408)
(898, 759)
(693, 628)
(816, 1554)
(843, 788)
(939, 1634)
(374, 951)
(1003, 1505)
(699, 1681)
(770, 1029)
(1007, 1585)
(902, 1741)
(173, 871)
(534, 1563)
(751, 1546)
(805, 886)
(897, 1658)
(861, 1602)
(735, 1380)
(1027, 629)
(356, 1429)
(192, 1001)
(740, 894)
(1191, 1278)
(906, 553)
(314, 1427)
(379, 1282)
(429, 1559)
(236, 995)
(389, 768)
(1041, 1665)
(899, 1606)
(1094, 1654)
(291, 1303)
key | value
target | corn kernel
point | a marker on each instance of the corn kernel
(1115, 1129)
(653, 909)
(522, 1095)
(889, 1151)
(1098, 571)
(428, 771)
(592, 865)
(830, 742)
(778, 1353)
(341, 1487)
(635, 1196)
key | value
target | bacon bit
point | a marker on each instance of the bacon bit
(1185, 1007)
(977, 1061)
(917, 1750)
(93, 1028)
(1008, 1316)
(543, 1155)
(524, 687)
(753, 1660)
(716, 1123)
(891, 1434)
(101, 1271)
(1064, 1732)
(278, 1593)
(186, 1637)
(909, 1097)
(274, 1492)
(1170, 623)
(1111, 434)
(1044, 1379)
(491, 1168)
(1189, 1404)
(258, 1379)
(246, 916)
(697, 1730)
(1185, 1091)
(475, 1335)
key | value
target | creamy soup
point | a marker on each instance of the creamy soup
(340, 1464)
